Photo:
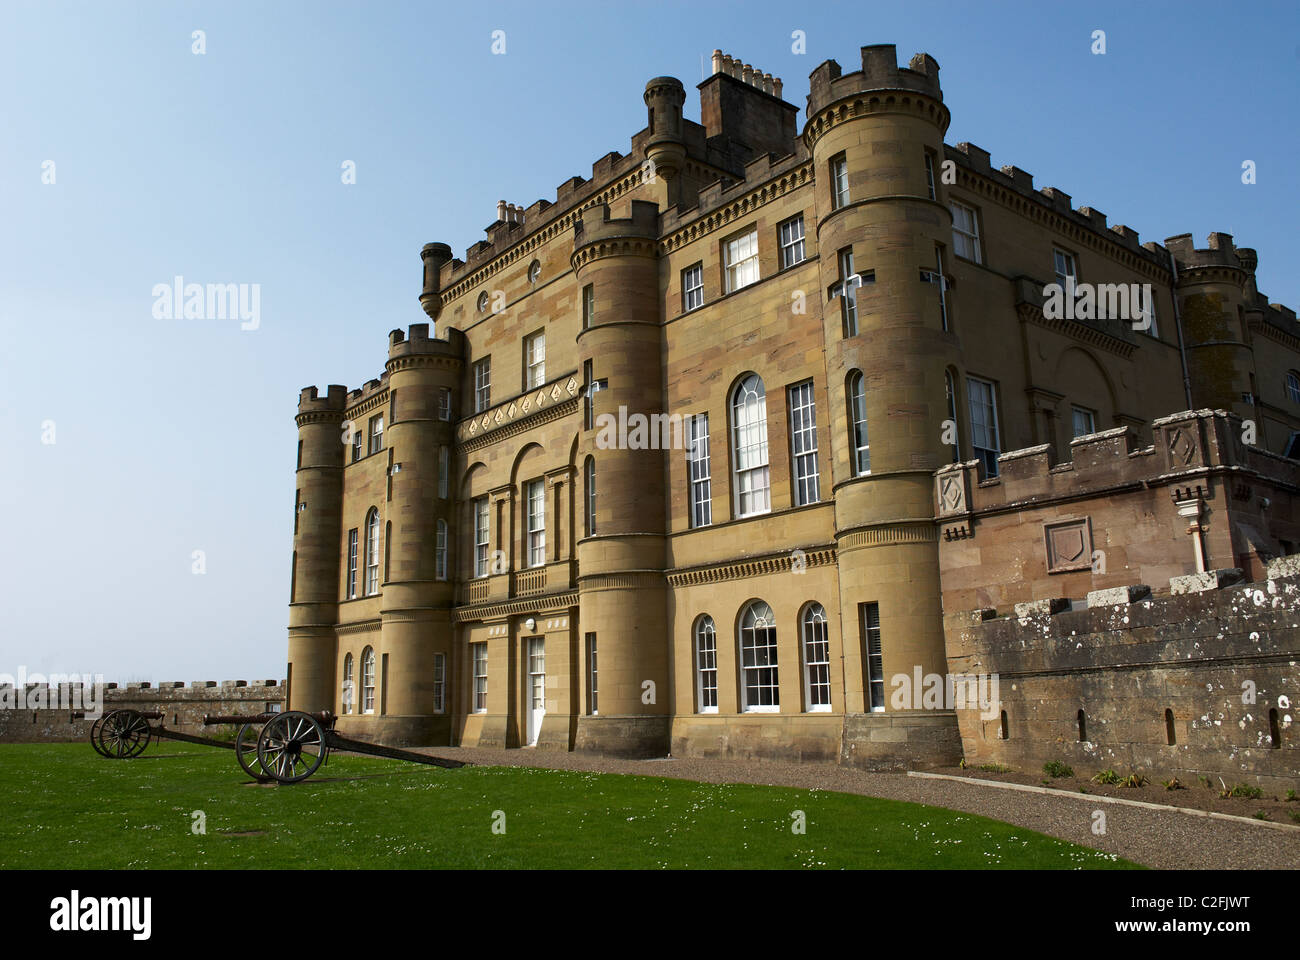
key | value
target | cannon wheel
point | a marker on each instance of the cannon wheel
(291, 747)
(124, 734)
(94, 737)
(246, 751)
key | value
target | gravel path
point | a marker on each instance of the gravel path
(1157, 838)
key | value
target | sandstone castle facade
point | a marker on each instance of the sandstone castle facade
(839, 334)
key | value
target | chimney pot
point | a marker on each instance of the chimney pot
(501, 210)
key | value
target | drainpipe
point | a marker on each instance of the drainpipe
(1178, 326)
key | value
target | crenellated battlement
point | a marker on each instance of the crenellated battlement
(595, 224)
(310, 400)
(880, 71)
(1220, 253)
(417, 342)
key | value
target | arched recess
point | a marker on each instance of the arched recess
(1087, 384)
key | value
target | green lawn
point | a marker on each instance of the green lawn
(61, 806)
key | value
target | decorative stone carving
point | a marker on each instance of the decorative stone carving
(1069, 545)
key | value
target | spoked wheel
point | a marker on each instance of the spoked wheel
(123, 734)
(291, 747)
(246, 751)
(94, 737)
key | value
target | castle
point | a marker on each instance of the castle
(845, 325)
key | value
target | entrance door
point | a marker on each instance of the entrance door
(536, 687)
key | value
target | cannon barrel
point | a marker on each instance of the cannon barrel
(210, 720)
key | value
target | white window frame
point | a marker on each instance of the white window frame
(368, 680)
(588, 305)
(860, 437)
(847, 289)
(988, 454)
(444, 471)
(751, 472)
(929, 175)
(353, 556)
(790, 236)
(839, 182)
(802, 401)
(740, 254)
(693, 287)
(1063, 258)
(439, 683)
(950, 387)
(372, 552)
(535, 521)
(482, 543)
(874, 695)
(1293, 386)
(444, 404)
(358, 443)
(593, 691)
(699, 478)
(482, 384)
(960, 235)
(347, 699)
(815, 642)
(376, 433)
(535, 360)
(705, 643)
(589, 478)
(763, 677)
(478, 658)
(440, 550)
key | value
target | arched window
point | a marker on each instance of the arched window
(347, 684)
(372, 552)
(816, 658)
(368, 680)
(858, 418)
(1293, 386)
(759, 690)
(749, 447)
(950, 387)
(706, 665)
(590, 512)
(440, 551)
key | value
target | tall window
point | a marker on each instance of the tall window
(352, 563)
(847, 290)
(790, 235)
(444, 469)
(376, 433)
(368, 680)
(749, 447)
(1145, 307)
(588, 305)
(593, 691)
(588, 397)
(1083, 422)
(742, 261)
(875, 661)
(951, 388)
(692, 287)
(358, 443)
(984, 424)
(481, 537)
(440, 551)
(858, 416)
(482, 384)
(942, 280)
(816, 658)
(1064, 267)
(1293, 386)
(965, 232)
(929, 175)
(839, 182)
(372, 552)
(706, 665)
(759, 690)
(535, 497)
(478, 657)
(697, 460)
(444, 404)
(347, 698)
(803, 443)
(591, 496)
(439, 682)
(535, 360)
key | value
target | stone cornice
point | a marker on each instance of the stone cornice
(1076, 330)
(422, 361)
(728, 213)
(318, 416)
(548, 402)
(613, 247)
(1272, 332)
(884, 534)
(365, 405)
(864, 103)
(361, 626)
(817, 556)
(510, 608)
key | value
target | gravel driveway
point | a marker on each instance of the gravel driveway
(1156, 838)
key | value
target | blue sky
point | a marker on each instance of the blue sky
(173, 436)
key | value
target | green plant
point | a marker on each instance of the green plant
(1107, 777)
(961, 764)
(1056, 768)
(1205, 780)
(1295, 815)
(1291, 795)
(1135, 780)
(1260, 815)
(1173, 784)
(995, 767)
(1242, 790)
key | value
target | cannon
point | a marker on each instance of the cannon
(283, 747)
